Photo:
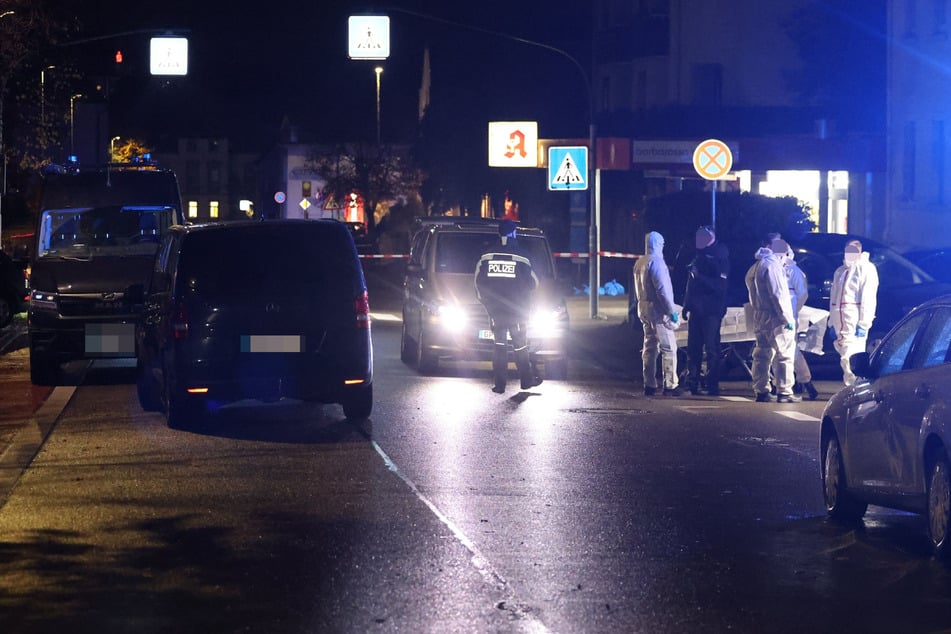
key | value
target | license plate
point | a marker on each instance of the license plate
(271, 343)
(110, 340)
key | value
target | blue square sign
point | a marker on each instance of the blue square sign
(568, 168)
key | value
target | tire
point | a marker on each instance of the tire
(840, 504)
(147, 389)
(426, 362)
(6, 311)
(939, 505)
(407, 346)
(44, 370)
(358, 403)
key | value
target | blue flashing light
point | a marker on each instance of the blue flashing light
(73, 158)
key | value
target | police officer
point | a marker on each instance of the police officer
(704, 308)
(505, 282)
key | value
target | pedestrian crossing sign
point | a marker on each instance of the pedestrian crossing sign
(568, 168)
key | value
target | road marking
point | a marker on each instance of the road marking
(489, 574)
(690, 408)
(797, 416)
(735, 399)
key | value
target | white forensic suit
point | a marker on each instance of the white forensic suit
(773, 323)
(852, 306)
(798, 294)
(657, 312)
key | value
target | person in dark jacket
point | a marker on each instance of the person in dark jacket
(704, 308)
(505, 282)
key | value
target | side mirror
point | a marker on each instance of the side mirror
(859, 363)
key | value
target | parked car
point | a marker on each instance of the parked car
(902, 285)
(443, 319)
(96, 235)
(886, 440)
(222, 324)
(13, 289)
(935, 262)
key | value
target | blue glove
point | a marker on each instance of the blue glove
(789, 326)
(860, 332)
(674, 317)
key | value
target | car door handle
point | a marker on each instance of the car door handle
(922, 391)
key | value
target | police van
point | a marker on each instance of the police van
(96, 235)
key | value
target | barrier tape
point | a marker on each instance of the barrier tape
(604, 254)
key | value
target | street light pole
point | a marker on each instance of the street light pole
(112, 149)
(379, 71)
(43, 97)
(72, 124)
(3, 151)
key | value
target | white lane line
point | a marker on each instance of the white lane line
(797, 415)
(489, 574)
(736, 399)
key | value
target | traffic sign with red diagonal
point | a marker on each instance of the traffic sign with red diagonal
(713, 159)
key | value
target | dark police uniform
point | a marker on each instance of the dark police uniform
(505, 281)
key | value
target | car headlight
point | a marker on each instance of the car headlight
(451, 316)
(43, 300)
(548, 321)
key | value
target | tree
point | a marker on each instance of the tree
(382, 174)
(129, 150)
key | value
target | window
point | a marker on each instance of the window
(908, 162)
(937, 158)
(213, 209)
(893, 351)
(933, 349)
(192, 208)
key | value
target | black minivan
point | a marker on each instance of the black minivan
(255, 310)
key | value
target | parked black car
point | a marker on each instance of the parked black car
(935, 262)
(901, 284)
(13, 289)
(224, 323)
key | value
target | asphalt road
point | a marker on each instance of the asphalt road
(578, 506)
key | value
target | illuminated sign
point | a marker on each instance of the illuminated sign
(369, 36)
(712, 159)
(169, 56)
(513, 144)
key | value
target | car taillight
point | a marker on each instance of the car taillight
(361, 306)
(180, 323)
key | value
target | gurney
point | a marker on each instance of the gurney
(737, 337)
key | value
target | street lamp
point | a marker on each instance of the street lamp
(72, 124)
(43, 96)
(379, 71)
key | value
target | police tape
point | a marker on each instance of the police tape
(603, 254)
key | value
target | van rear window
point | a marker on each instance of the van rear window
(283, 259)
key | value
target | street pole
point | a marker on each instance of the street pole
(3, 150)
(379, 71)
(72, 124)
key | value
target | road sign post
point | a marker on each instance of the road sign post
(713, 160)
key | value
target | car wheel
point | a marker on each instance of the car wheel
(939, 505)
(147, 389)
(358, 403)
(840, 504)
(407, 346)
(426, 362)
(6, 311)
(44, 370)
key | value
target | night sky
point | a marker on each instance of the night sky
(253, 64)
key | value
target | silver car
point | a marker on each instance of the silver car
(885, 440)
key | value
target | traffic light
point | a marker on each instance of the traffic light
(118, 57)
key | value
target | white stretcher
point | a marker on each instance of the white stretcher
(734, 330)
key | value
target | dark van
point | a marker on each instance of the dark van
(223, 324)
(96, 235)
